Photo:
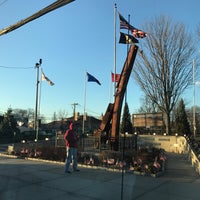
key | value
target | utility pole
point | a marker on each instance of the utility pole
(36, 124)
(74, 109)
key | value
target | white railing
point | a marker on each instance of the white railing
(175, 144)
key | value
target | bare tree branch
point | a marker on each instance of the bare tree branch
(163, 68)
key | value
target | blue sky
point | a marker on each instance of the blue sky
(71, 40)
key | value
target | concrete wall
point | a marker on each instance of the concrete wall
(176, 144)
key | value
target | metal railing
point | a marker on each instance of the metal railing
(97, 144)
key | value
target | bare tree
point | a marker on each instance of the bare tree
(54, 118)
(147, 106)
(163, 68)
(198, 29)
(62, 114)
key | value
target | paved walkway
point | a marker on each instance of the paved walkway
(180, 182)
(24, 179)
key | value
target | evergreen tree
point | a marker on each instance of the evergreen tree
(126, 125)
(8, 127)
(182, 126)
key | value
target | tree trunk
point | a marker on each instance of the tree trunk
(167, 123)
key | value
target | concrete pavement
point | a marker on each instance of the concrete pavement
(22, 179)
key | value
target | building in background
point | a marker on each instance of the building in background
(148, 123)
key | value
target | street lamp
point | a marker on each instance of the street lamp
(176, 145)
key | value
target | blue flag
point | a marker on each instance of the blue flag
(91, 78)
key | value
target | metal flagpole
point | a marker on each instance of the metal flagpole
(39, 104)
(115, 11)
(194, 109)
(110, 89)
(84, 106)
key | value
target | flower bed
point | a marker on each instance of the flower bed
(42, 152)
(149, 162)
(146, 161)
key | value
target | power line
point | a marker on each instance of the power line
(3, 2)
(91, 111)
(51, 7)
(6, 67)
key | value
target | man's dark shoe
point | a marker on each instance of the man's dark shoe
(76, 170)
(68, 172)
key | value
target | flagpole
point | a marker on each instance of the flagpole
(115, 11)
(84, 107)
(39, 103)
(110, 90)
(194, 109)
(40, 92)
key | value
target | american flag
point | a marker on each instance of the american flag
(91, 161)
(131, 168)
(125, 25)
(163, 157)
(139, 161)
(156, 165)
(111, 161)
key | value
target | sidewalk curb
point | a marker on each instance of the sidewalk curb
(79, 165)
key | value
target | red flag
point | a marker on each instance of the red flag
(115, 77)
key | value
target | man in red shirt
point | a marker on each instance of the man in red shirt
(71, 139)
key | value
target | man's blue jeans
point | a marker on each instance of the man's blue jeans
(71, 156)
